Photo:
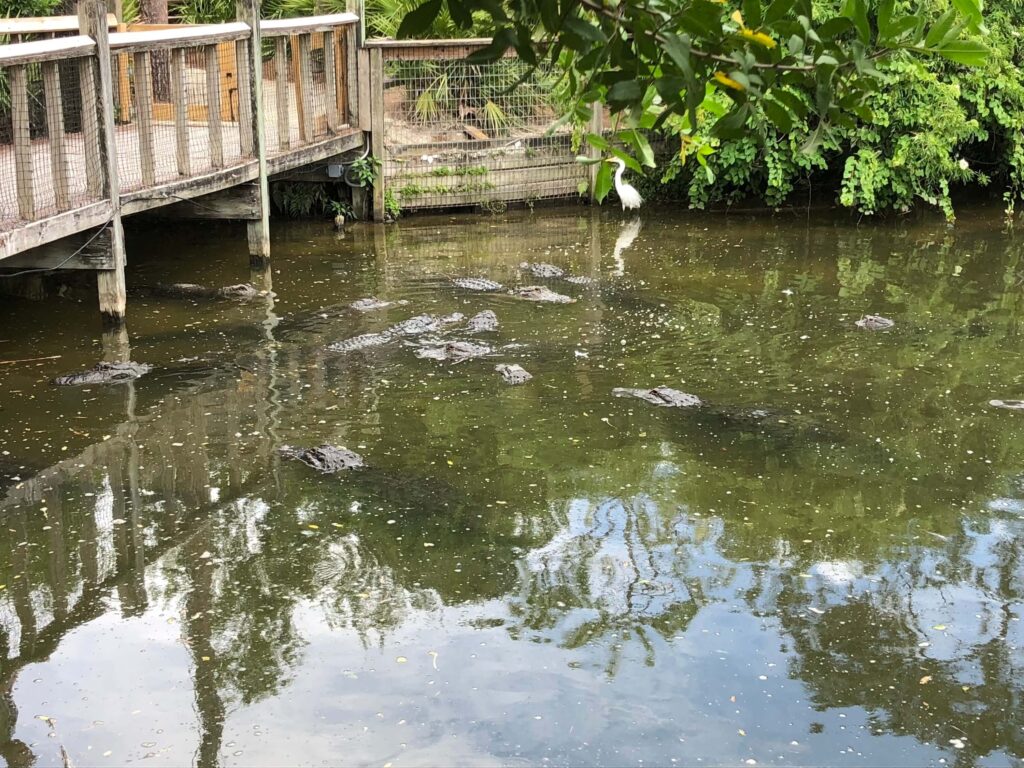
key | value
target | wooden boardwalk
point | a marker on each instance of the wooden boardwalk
(105, 125)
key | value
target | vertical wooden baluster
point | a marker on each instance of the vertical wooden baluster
(22, 142)
(377, 132)
(331, 81)
(304, 84)
(55, 135)
(244, 85)
(124, 89)
(349, 75)
(284, 122)
(144, 116)
(90, 129)
(363, 105)
(180, 98)
(213, 107)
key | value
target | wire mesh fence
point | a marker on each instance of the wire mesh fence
(460, 133)
(179, 113)
(304, 95)
(49, 144)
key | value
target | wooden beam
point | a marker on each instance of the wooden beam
(179, 95)
(304, 85)
(213, 107)
(239, 203)
(281, 88)
(45, 25)
(306, 24)
(331, 80)
(84, 250)
(55, 136)
(178, 36)
(377, 128)
(91, 138)
(46, 50)
(43, 231)
(144, 116)
(20, 122)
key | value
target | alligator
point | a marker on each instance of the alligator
(456, 351)
(105, 373)
(542, 270)
(324, 458)
(363, 341)
(541, 293)
(417, 326)
(875, 323)
(372, 303)
(477, 284)
(1010, 405)
(482, 321)
(513, 373)
(666, 396)
(239, 292)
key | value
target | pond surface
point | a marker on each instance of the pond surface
(542, 574)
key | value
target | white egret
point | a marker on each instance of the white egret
(628, 195)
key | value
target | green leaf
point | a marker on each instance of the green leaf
(792, 101)
(939, 29)
(776, 11)
(969, 52)
(835, 27)
(778, 114)
(603, 182)
(678, 49)
(752, 13)
(419, 19)
(625, 92)
(503, 40)
(583, 29)
(643, 148)
(970, 10)
(885, 8)
(857, 12)
(702, 19)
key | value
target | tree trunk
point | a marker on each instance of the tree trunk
(155, 12)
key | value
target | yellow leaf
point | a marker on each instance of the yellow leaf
(737, 17)
(451, 463)
(727, 81)
(758, 37)
(401, 659)
(314, 526)
(206, 658)
(925, 680)
(741, 732)
(939, 627)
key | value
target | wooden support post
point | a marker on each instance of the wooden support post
(281, 87)
(144, 116)
(179, 95)
(251, 69)
(596, 126)
(213, 107)
(377, 128)
(55, 136)
(362, 106)
(244, 85)
(92, 21)
(90, 129)
(304, 86)
(331, 80)
(20, 118)
(350, 76)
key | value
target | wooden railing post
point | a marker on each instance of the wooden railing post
(377, 128)
(92, 21)
(596, 126)
(252, 69)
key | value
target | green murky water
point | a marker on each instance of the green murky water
(533, 575)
